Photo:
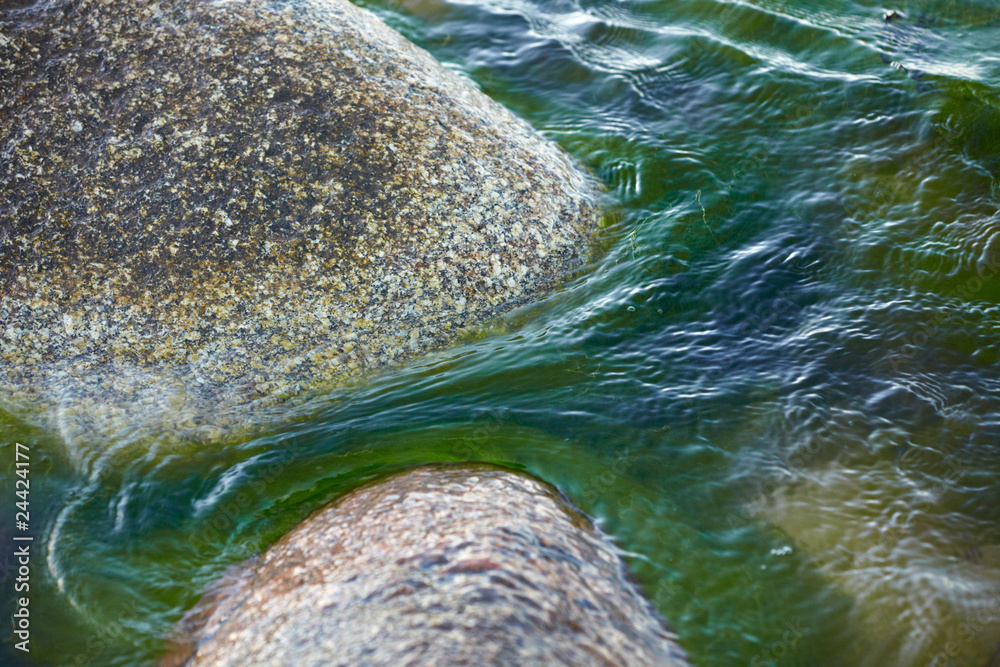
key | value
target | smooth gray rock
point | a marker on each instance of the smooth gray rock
(209, 206)
(443, 565)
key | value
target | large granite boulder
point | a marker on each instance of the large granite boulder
(204, 204)
(442, 565)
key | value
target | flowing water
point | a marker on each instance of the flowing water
(778, 388)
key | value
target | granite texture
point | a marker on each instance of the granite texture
(463, 564)
(206, 204)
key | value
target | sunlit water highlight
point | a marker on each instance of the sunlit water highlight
(779, 388)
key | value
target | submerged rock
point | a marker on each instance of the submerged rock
(208, 203)
(926, 588)
(448, 565)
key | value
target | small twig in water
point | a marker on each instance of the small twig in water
(697, 198)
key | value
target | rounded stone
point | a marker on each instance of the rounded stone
(205, 204)
(446, 564)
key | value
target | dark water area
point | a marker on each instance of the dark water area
(778, 388)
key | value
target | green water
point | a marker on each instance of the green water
(778, 389)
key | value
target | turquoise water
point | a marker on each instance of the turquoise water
(778, 388)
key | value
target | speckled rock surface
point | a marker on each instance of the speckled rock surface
(446, 565)
(203, 204)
